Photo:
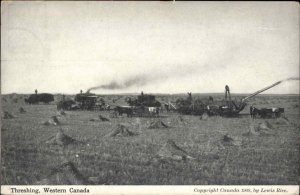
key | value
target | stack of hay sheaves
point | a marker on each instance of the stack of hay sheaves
(102, 118)
(252, 130)
(121, 130)
(171, 151)
(263, 128)
(204, 116)
(4, 99)
(66, 174)
(229, 140)
(157, 125)
(22, 110)
(52, 121)
(61, 113)
(178, 120)
(62, 139)
(7, 115)
(282, 121)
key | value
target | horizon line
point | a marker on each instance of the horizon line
(137, 93)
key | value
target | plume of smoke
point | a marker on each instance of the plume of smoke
(138, 80)
(163, 73)
(142, 79)
(288, 79)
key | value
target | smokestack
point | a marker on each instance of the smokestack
(36, 91)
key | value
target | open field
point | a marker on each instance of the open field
(262, 159)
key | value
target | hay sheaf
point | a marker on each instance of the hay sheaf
(121, 130)
(264, 128)
(52, 121)
(7, 115)
(229, 140)
(113, 114)
(171, 151)
(102, 118)
(178, 120)
(252, 131)
(22, 110)
(61, 113)
(204, 116)
(157, 125)
(265, 125)
(282, 121)
(65, 174)
(62, 139)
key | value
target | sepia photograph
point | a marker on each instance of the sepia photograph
(140, 94)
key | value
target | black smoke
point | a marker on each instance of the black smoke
(137, 80)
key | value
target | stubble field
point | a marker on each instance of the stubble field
(260, 159)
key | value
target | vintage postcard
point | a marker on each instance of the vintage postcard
(127, 97)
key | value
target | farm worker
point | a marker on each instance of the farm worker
(251, 111)
(227, 92)
(167, 107)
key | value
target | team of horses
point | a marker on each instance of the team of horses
(266, 112)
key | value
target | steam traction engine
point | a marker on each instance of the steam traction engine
(86, 101)
(143, 105)
(82, 101)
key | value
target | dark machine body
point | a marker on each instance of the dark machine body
(86, 101)
(226, 107)
(37, 98)
(144, 105)
(82, 101)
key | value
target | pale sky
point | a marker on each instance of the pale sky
(62, 47)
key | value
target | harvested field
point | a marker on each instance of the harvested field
(248, 160)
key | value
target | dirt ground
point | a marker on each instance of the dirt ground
(27, 158)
